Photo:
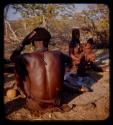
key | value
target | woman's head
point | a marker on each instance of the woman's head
(90, 41)
(89, 46)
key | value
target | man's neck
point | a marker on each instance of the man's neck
(41, 49)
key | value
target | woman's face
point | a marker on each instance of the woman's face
(77, 35)
(88, 45)
(76, 49)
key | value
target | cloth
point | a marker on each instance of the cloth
(75, 81)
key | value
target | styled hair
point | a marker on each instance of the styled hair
(75, 33)
(42, 35)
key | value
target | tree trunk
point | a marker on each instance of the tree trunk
(44, 22)
(14, 35)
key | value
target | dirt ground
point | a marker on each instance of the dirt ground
(87, 106)
(92, 105)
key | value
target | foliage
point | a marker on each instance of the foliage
(59, 19)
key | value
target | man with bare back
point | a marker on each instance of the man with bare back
(40, 74)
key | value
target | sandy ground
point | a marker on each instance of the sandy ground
(86, 106)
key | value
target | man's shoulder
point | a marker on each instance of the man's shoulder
(31, 56)
(25, 57)
(53, 52)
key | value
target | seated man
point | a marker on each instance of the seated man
(40, 73)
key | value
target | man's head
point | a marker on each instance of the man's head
(42, 37)
(39, 38)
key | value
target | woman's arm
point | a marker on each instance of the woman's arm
(75, 58)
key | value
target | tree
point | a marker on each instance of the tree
(94, 19)
(7, 24)
(45, 11)
(102, 23)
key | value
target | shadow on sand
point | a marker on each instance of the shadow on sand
(67, 94)
(14, 105)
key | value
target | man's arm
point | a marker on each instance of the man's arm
(27, 40)
(16, 53)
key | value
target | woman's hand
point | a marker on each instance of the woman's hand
(76, 59)
(91, 57)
